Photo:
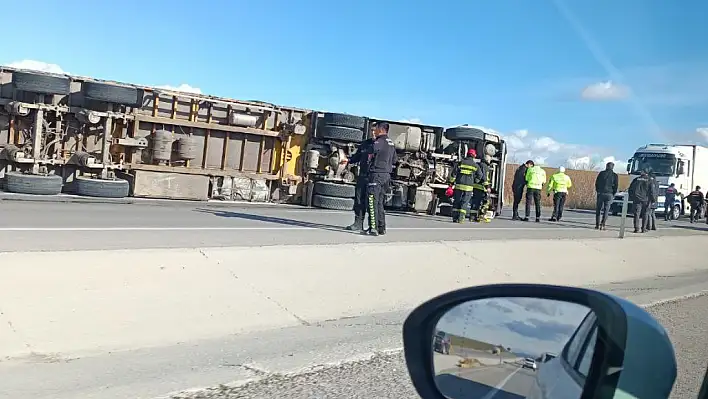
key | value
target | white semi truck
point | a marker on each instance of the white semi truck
(685, 165)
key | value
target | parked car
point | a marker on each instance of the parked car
(676, 210)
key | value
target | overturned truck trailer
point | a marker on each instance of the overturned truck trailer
(426, 155)
(61, 133)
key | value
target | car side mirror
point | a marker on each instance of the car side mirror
(492, 342)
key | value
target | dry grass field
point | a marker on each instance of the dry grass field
(580, 196)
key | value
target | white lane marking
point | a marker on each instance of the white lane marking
(314, 227)
(675, 299)
(498, 388)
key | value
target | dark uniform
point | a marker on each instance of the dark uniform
(480, 200)
(361, 202)
(640, 192)
(466, 174)
(669, 199)
(517, 188)
(696, 199)
(381, 161)
(651, 219)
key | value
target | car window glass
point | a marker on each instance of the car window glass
(586, 359)
(576, 343)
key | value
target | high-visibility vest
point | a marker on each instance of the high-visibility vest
(559, 183)
(535, 177)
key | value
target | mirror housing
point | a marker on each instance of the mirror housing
(629, 164)
(621, 361)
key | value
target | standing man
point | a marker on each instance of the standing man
(669, 199)
(535, 179)
(466, 174)
(361, 202)
(381, 162)
(696, 199)
(559, 185)
(517, 187)
(639, 193)
(606, 185)
(651, 220)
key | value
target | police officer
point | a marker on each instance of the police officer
(381, 161)
(480, 201)
(669, 199)
(696, 199)
(606, 185)
(559, 185)
(464, 177)
(535, 179)
(361, 202)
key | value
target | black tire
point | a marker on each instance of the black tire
(109, 93)
(20, 183)
(334, 203)
(339, 133)
(344, 120)
(676, 212)
(90, 187)
(43, 84)
(463, 133)
(331, 189)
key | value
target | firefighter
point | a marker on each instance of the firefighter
(381, 162)
(535, 179)
(558, 186)
(480, 195)
(361, 157)
(463, 177)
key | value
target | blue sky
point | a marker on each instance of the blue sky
(574, 79)
(526, 325)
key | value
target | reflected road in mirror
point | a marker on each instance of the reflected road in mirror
(509, 348)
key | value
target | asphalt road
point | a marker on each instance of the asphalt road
(497, 382)
(319, 361)
(37, 226)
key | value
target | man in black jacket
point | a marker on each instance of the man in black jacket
(640, 192)
(517, 187)
(606, 187)
(696, 199)
(651, 219)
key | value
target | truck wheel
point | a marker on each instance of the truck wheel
(101, 188)
(344, 120)
(331, 189)
(43, 84)
(109, 93)
(334, 203)
(17, 182)
(463, 133)
(341, 133)
(676, 212)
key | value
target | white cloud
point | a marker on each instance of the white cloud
(580, 163)
(521, 133)
(603, 91)
(546, 143)
(185, 88)
(703, 132)
(33, 65)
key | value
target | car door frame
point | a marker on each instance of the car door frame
(583, 332)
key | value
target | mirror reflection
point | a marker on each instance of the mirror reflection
(510, 348)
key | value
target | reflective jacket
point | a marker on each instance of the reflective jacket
(484, 176)
(466, 174)
(559, 183)
(535, 177)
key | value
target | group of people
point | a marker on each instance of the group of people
(532, 177)
(469, 188)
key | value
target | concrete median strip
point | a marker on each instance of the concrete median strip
(58, 305)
